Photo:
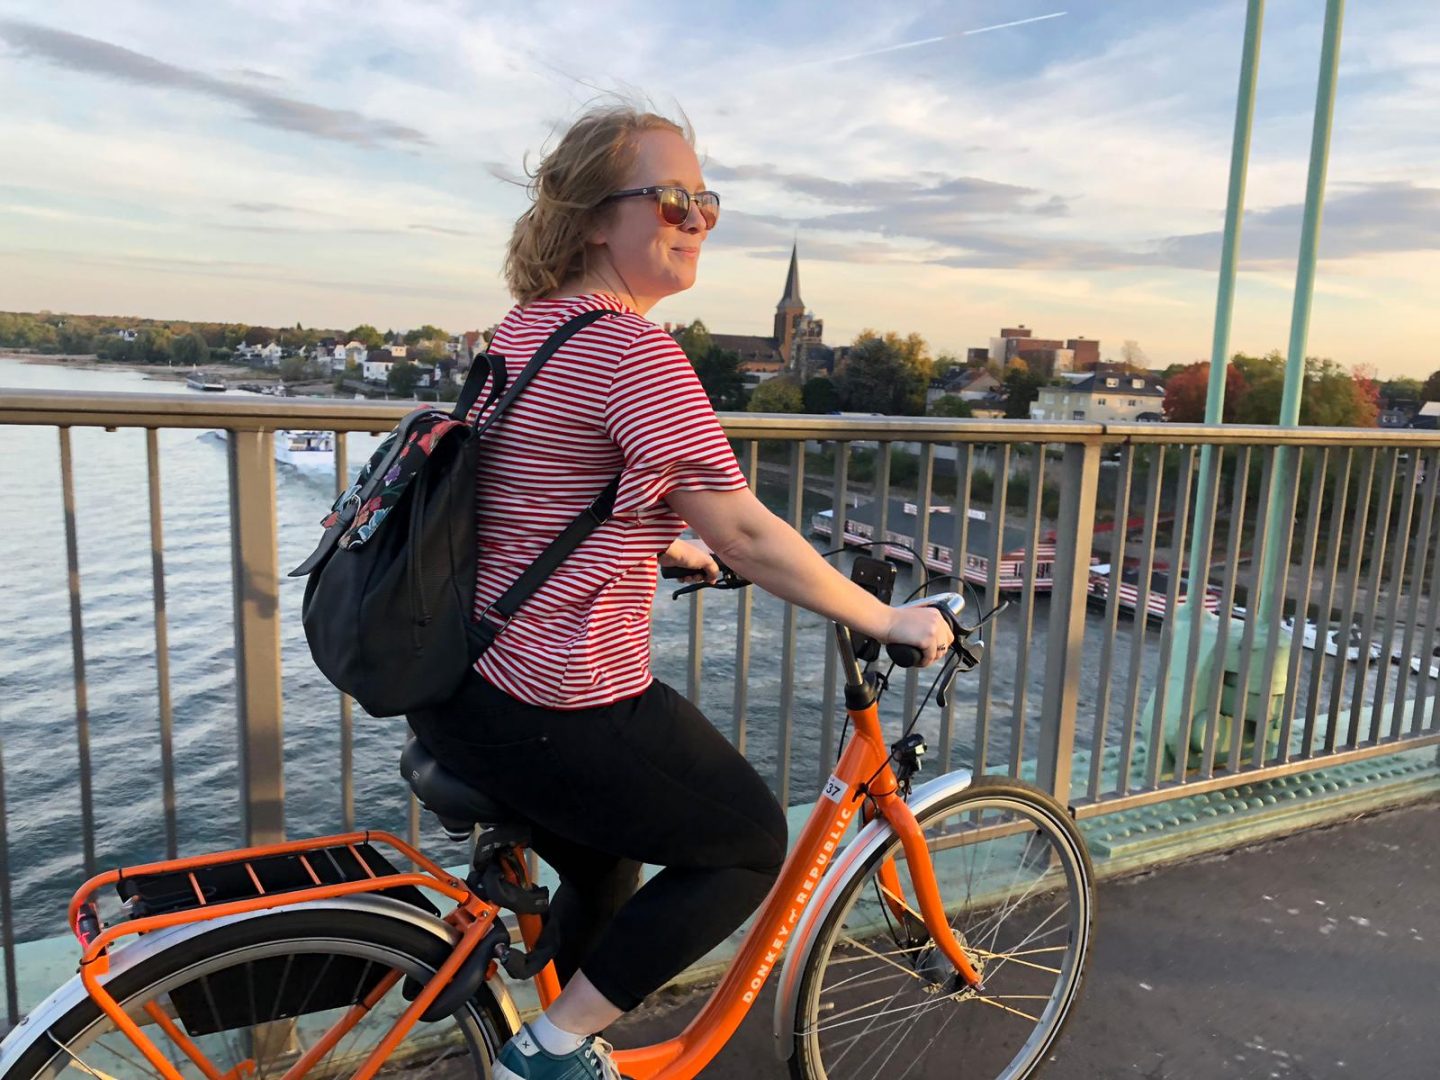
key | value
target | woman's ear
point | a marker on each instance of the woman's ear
(598, 234)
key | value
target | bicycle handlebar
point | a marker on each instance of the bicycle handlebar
(949, 604)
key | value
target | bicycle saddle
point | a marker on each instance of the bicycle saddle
(451, 799)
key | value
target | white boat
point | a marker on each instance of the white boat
(1354, 640)
(199, 380)
(307, 451)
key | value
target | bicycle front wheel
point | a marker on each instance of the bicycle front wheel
(878, 999)
(262, 998)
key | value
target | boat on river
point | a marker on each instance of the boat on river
(901, 529)
(307, 451)
(1157, 603)
(200, 380)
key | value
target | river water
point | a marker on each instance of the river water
(37, 695)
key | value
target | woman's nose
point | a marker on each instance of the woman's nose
(694, 221)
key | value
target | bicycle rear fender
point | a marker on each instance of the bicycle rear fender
(40, 1019)
(845, 866)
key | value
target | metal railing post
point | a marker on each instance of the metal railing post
(256, 569)
(1081, 477)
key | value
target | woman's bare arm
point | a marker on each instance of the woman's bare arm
(761, 547)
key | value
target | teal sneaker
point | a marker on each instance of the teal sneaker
(523, 1058)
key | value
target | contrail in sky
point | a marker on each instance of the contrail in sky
(933, 40)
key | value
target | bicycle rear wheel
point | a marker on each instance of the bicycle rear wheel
(878, 999)
(265, 991)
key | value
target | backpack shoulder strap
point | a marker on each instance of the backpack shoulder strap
(484, 367)
(545, 564)
(543, 353)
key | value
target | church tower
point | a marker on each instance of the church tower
(789, 311)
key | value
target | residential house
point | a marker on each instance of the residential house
(1103, 397)
(968, 384)
(377, 364)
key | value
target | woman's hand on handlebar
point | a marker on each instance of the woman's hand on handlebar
(923, 628)
(682, 556)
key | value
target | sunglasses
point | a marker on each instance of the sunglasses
(673, 203)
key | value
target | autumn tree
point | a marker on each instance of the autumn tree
(1187, 389)
(425, 333)
(191, 350)
(1331, 397)
(367, 335)
(886, 374)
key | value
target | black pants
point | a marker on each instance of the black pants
(645, 780)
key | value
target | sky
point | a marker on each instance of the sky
(334, 163)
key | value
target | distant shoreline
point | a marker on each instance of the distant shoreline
(91, 362)
(158, 372)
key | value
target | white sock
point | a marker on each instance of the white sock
(555, 1040)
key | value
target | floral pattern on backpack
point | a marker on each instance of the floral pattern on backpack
(420, 442)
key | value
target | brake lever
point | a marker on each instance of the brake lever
(965, 654)
(728, 580)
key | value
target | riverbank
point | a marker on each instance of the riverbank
(234, 375)
(168, 372)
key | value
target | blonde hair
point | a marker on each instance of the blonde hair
(591, 160)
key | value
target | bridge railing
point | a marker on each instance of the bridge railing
(1095, 684)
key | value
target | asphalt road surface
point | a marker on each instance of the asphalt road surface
(1313, 957)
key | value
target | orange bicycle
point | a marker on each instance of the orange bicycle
(948, 937)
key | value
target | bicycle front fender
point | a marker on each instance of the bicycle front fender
(40, 1019)
(850, 861)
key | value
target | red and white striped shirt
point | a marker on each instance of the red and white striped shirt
(620, 394)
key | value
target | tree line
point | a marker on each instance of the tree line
(883, 373)
(159, 342)
(1255, 385)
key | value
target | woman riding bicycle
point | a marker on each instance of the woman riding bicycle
(561, 720)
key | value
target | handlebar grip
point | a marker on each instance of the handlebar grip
(676, 572)
(904, 655)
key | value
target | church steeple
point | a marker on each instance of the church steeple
(791, 298)
(789, 311)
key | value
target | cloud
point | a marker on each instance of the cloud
(443, 230)
(93, 57)
(967, 194)
(1359, 220)
(262, 207)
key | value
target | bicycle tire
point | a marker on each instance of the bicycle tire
(371, 936)
(933, 974)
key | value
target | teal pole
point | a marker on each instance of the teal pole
(1225, 296)
(1278, 516)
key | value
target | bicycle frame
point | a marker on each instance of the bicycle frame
(472, 916)
(863, 771)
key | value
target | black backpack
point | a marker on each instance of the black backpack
(389, 607)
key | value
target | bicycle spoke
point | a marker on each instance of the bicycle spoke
(234, 1006)
(898, 967)
(1015, 904)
